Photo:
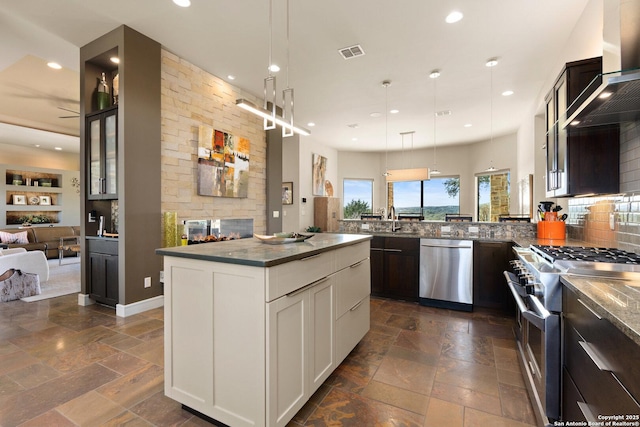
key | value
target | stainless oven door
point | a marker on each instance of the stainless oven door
(539, 348)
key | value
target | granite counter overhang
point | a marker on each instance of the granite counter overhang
(253, 252)
(618, 301)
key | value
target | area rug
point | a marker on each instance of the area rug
(63, 280)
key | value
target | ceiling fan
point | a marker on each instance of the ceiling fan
(77, 114)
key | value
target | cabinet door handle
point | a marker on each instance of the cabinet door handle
(590, 309)
(377, 249)
(392, 250)
(355, 307)
(309, 257)
(304, 288)
(594, 357)
(356, 264)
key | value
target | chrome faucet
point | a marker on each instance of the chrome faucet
(394, 226)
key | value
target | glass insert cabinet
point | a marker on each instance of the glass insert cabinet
(102, 154)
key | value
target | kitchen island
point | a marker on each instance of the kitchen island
(253, 329)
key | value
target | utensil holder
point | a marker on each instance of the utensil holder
(554, 230)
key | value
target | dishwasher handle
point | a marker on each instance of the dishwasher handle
(426, 245)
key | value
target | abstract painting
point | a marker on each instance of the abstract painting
(319, 170)
(223, 164)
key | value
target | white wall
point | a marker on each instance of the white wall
(297, 158)
(463, 160)
(36, 157)
(585, 42)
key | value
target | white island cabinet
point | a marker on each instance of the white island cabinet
(252, 330)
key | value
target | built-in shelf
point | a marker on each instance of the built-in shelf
(42, 203)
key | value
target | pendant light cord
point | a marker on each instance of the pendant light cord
(270, 36)
(491, 117)
(435, 162)
(288, 44)
(386, 125)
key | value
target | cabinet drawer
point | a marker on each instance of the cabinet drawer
(349, 255)
(570, 399)
(404, 244)
(284, 278)
(618, 352)
(109, 247)
(351, 328)
(600, 389)
(353, 284)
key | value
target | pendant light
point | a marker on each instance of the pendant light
(287, 94)
(268, 110)
(434, 75)
(492, 62)
(411, 173)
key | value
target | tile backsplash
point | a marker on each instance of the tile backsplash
(612, 221)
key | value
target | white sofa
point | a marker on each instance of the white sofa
(27, 261)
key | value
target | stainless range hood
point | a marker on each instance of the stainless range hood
(614, 96)
(615, 100)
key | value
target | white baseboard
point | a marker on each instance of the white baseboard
(83, 299)
(139, 306)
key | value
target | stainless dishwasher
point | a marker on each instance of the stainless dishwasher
(446, 273)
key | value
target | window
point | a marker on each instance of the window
(431, 199)
(357, 197)
(441, 196)
(493, 195)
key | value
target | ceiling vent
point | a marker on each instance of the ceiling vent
(351, 51)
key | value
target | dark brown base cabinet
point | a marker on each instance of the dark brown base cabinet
(490, 259)
(103, 271)
(395, 267)
(601, 372)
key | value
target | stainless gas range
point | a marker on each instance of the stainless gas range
(536, 288)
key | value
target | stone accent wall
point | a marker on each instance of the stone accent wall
(192, 97)
(499, 196)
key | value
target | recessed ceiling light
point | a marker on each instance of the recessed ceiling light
(434, 74)
(604, 95)
(37, 145)
(492, 62)
(54, 65)
(354, 139)
(57, 148)
(468, 125)
(274, 68)
(453, 17)
(182, 3)
(394, 111)
(311, 124)
(507, 93)
(114, 59)
(375, 114)
(231, 77)
(575, 123)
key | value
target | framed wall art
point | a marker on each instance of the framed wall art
(45, 200)
(19, 199)
(319, 170)
(223, 164)
(287, 193)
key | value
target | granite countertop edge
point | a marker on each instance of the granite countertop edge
(594, 290)
(252, 252)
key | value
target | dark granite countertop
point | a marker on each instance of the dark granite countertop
(253, 252)
(519, 241)
(618, 301)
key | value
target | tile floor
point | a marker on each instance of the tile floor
(65, 365)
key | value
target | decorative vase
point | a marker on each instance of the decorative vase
(170, 229)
